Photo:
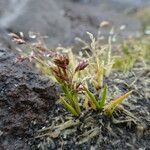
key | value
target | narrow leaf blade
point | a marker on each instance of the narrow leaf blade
(103, 98)
(92, 98)
(68, 106)
(112, 105)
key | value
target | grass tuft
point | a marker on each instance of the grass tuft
(79, 75)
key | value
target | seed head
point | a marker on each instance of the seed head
(59, 75)
(82, 65)
(61, 61)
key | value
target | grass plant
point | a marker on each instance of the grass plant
(74, 78)
(101, 103)
(70, 87)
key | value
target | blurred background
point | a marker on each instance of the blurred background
(60, 21)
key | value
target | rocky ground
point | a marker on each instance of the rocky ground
(31, 118)
(129, 128)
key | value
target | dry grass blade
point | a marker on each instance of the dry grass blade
(109, 108)
(89, 135)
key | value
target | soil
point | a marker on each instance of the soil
(128, 128)
(25, 98)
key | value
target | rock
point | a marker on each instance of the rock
(25, 97)
(62, 21)
(88, 15)
(5, 41)
(43, 17)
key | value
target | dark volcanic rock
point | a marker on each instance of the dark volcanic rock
(43, 17)
(63, 20)
(25, 97)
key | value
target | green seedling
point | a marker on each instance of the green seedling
(58, 67)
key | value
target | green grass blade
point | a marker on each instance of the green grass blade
(109, 108)
(76, 103)
(72, 98)
(68, 106)
(103, 98)
(92, 98)
(68, 94)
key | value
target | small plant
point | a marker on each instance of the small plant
(101, 104)
(65, 77)
(70, 75)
